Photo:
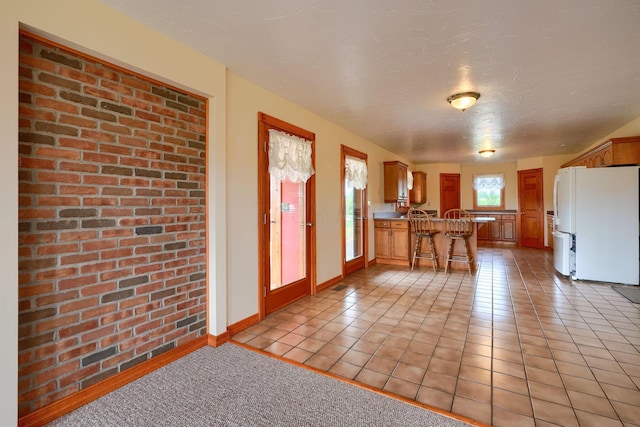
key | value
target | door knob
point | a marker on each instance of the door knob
(309, 224)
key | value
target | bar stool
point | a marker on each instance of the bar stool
(458, 227)
(421, 227)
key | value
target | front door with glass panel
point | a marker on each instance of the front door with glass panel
(287, 234)
(354, 209)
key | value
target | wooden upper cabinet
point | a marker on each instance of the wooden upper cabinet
(418, 194)
(615, 152)
(395, 182)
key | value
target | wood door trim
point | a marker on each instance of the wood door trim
(266, 121)
(346, 268)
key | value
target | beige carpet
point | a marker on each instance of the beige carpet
(233, 386)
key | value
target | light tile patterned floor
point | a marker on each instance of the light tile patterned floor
(514, 345)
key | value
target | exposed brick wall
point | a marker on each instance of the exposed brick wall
(112, 221)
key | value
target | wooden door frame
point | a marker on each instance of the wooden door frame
(346, 268)
(265, 122)
(541, 213)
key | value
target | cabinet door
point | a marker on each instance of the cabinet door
(509, 228)
(383, 242)
(403, 192)
(483, 228)
(418, 194)
(495, 229)
(400, 243)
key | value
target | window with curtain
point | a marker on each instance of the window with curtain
(488, 191)
(289, 157)
(355, 173)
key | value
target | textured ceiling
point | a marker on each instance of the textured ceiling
(554, 75)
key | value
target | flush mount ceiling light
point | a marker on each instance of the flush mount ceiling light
(462, 101)
(486, 153)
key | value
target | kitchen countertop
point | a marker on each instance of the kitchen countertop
(397, 216)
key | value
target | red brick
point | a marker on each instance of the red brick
(58, 201)
(116, 339)
(79, 167)
(147, 268)
(98, 311)
(78, 375)
(57, 153)
(57, 372)
(77, 75)
(80, 144)
(64, 107)
(77, 352)
(100, 158)
(147, 326)
(78, 121)
(102, 266)
(76, 282)
(54, 323)
(148, 346)
(99, 288)
(55, 298)
(36, 213)
(78, 259)
(116, 274)
(35, 289)
(100, 93)
(116, 317)
(95, 334)
(78, 305)
(78, 235)
(27, 369)
(56, 274)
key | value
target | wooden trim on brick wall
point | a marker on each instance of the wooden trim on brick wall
(67, 404)
(120, 68)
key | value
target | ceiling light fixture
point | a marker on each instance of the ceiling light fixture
(462, 101)
(487, 153)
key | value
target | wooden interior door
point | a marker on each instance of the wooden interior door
(449, 192)
(531, 208)
(286, 232)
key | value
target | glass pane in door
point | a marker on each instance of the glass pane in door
(353, 221)
(288, 232)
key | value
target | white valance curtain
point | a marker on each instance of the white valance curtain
(355, 172)
(409, 180)
(488, 182)
(289, 157)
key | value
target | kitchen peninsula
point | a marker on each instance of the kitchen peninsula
(395, 242)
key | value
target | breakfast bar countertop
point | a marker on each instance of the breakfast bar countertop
(397, 216)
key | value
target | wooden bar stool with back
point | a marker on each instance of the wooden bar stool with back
(421, 227)
(458, 227)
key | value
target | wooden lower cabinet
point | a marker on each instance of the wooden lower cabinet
(392, 242)
(509, 228)
(502, 229)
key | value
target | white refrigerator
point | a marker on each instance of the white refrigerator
(597, 217)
